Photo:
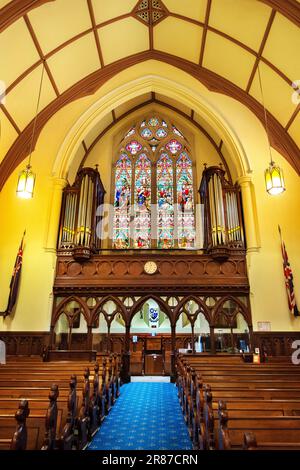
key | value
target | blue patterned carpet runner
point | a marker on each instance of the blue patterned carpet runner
(146, 416)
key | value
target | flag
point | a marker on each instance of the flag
(15, 281)
(288, 275)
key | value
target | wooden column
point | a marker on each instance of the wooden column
(108, 344)
(173, 353)
(125, 371)
(89, 338)
(212, 340)
(193, 337)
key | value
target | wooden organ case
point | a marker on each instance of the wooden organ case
(89, 275)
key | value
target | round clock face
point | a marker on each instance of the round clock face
(150, 267)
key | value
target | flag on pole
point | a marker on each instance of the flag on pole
(15, 280)
(288, 276)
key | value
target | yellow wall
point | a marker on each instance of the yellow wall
(268, 297)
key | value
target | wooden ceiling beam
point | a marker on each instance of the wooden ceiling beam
(89, 30)
(279, 138)
(41, 54)
(11, 120)
(95, 31)
(293, 117)
(261, 49)
(16, 9)
(204, 34)
(288, 8)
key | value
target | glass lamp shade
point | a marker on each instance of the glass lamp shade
(274, 179)
(26, 183)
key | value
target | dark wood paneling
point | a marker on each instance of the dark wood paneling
(275, 343)
(71, 356)
(25, 343)
(127, 270)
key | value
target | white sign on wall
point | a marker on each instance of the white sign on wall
(264, 326)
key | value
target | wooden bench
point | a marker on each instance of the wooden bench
(30, 382)
(261, 398)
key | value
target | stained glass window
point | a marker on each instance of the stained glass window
(174, 146)
(122, 199)
(161, 133)
(133, 147)
(165, 203)
(146, 133)
(142, 200)
(170, 186)
(185, 201)
(153, 122)
(130, 132)
(177, 132)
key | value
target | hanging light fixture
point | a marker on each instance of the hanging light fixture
(273, 174)
(26, 180)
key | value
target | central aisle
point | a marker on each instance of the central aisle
(146, 416)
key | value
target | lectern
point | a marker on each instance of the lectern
(154, 364)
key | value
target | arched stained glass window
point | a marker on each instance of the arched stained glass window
(154, 187)
(165, 202)
(142, 203)
(185, 200)
(122, 201)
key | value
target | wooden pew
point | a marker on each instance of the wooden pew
(249, 389)
(33, 384)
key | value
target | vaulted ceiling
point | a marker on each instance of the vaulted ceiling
(83, 43)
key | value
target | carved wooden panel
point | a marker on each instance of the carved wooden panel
(128, 270)
(26, 343)
(276, 343)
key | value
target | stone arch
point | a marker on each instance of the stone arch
(138, 87)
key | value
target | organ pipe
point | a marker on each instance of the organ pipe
(78, 220)
(223, 228)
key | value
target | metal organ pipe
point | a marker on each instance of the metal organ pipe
(223, 224)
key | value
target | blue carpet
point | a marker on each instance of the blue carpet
(146, 416)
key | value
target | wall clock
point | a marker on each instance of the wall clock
(150, 267)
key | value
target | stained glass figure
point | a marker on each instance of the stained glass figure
(185, 201)
(177, 132)
(153, 122)
(161, 133)
(133, 182)
(146, 133)
(165, 202)
(134, 147)
(130, 132)
(142, 206)
(174, 146)
(122, 199)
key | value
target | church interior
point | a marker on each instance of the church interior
(149, 242)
